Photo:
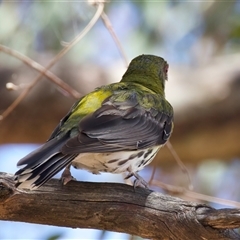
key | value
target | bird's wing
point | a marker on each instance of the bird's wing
(121, 125)
(41, 164)
(63, 120)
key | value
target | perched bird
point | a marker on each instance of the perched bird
(116, 128)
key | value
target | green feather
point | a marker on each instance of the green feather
(85, 106)
(149, 71)
(144, 78)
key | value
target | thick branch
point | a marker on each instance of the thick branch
(115, 207)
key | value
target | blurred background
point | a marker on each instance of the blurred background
(201, 42)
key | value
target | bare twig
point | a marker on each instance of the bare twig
(152, 175)
(194, 195)
(19, 99)
(180, 163)
(41, 69)
(80, 36)
(108, 25)
(59, 55)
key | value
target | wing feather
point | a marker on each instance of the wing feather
(118, 127)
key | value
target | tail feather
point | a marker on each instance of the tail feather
(44, 152)
(51, 171)
(42, 164)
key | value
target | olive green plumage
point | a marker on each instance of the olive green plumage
(108, 125)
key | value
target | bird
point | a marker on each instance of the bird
(116, 128)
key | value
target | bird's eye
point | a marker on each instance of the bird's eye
(166, 68)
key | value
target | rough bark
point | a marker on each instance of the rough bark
(116, 207)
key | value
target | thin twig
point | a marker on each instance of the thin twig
(80, 36)
(108, 25)
(180, 163)
(194, 195)
(59, 55)
(152, 175)
(41, 69)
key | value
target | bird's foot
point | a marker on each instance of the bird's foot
(139, 181)
(66, 176)
(129, 175)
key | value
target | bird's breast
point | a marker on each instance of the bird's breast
(115, 162)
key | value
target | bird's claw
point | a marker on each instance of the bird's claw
(129, 175)
(66, 176)
(139, 181)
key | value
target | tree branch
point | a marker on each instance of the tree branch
(35, 65)
(100, 7)
(116, 207)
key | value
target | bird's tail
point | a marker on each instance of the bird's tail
(42, 164)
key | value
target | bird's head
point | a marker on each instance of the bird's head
(148, 70)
